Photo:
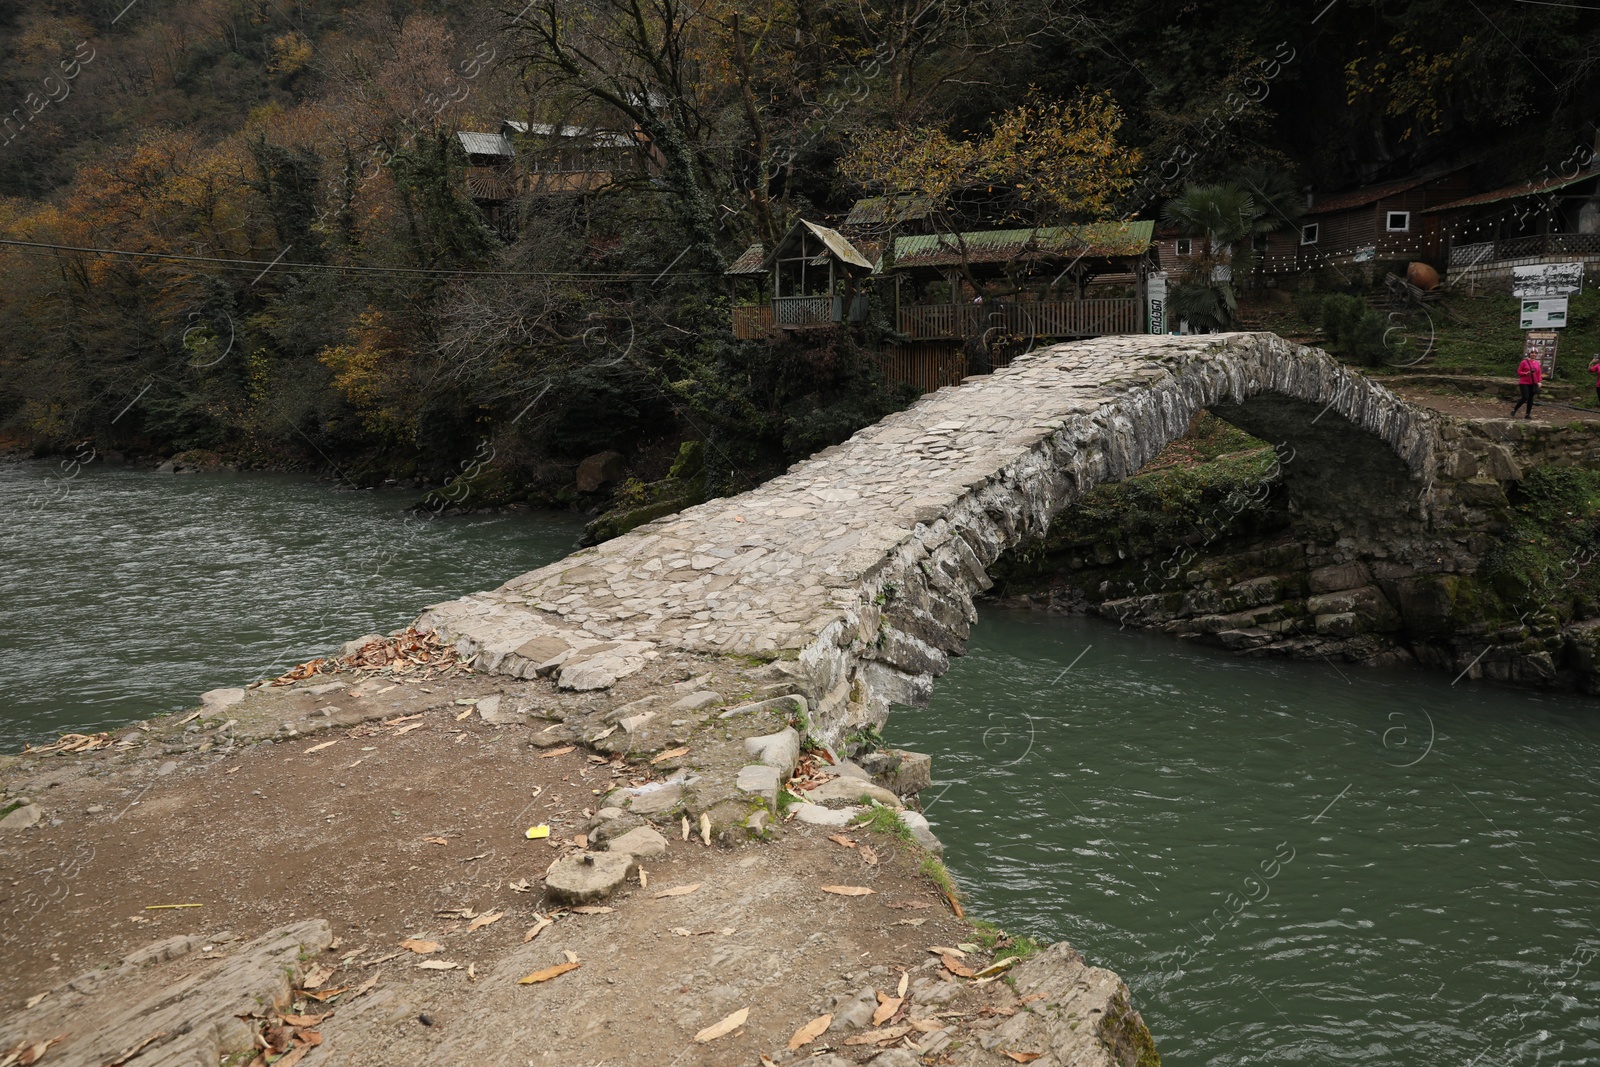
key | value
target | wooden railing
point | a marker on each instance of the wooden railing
(1066, 318)
(802, 310)
(1546, 244)
(752, 322)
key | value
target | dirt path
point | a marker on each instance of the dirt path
(411, 825)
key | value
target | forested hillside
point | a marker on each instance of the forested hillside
(305, 279)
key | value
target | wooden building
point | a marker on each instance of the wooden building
(1369, 225)
(1552, 220)
(812, 277)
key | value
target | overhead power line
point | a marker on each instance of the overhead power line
(257, 265)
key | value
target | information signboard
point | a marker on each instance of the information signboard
(1546, 279)
(1546, 313)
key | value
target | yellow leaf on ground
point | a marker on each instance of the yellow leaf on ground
(810, 1031)
(905, 980)
(887, 1006)
(485, 919)
(1022, 1057)
(671, 753)
(548, 973)
(557, 752)
(848, 890)
(407, 729)
(725, 1027)
(423, 947)
(679, 890)
(879, 1037)
(998, 968)
(438, 965)
(319, 748)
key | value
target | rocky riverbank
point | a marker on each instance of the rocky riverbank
(341, 868)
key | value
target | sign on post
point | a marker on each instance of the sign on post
(1541, 345)
(1546, 279)
(1156, 301)
(1545, 313)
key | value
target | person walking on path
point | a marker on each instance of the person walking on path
(1595, 367)
(1530, 372)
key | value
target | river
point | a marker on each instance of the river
(1288, 862)
(127, 593)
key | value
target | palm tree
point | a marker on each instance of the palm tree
(1223, 219)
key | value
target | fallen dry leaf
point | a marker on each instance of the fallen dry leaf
(705, 828)
(521, 885)
(726, 1026)
(879, 1037)
(1031, 997)
(686, 827)
(593, 909)
(549, 973)
(908, 922)
(438, 965)
(810, 1031)
(536, 929)
(33, 1001)
(401, 719)
(842, 840)
(905, 980)
(582, 840)
(644, 879)
(316, 976)
(320, 995)
(423, 947)
(437, 840)
(557, 752)
(946, 950)
(671, 753)
(868, 856)
(848, 890)
(407, 729)
(464, 714)
(572, 957)
(485, 919)
(1021, 1057)
(887, 1006)
(925, 1026)
(998, 968)
(956, 967)
(304, 1020)
(679, 890)
(319, 748)
(365, 987)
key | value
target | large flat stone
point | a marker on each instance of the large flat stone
(588, 876)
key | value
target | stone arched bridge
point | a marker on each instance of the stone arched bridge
(860, 565)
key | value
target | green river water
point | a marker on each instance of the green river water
(1290, 863)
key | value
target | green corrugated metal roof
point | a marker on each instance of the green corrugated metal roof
(1096, 239)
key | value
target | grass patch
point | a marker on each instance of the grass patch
(883, 820)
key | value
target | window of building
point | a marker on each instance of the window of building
(1398, 222)
(1185, 246)
(1308, 234)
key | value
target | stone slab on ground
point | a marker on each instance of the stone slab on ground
(188, 1021)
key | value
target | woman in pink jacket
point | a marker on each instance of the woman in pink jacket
(1529, 374)
(1595, 367)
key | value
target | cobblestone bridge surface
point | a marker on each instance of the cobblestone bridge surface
(860, 564)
